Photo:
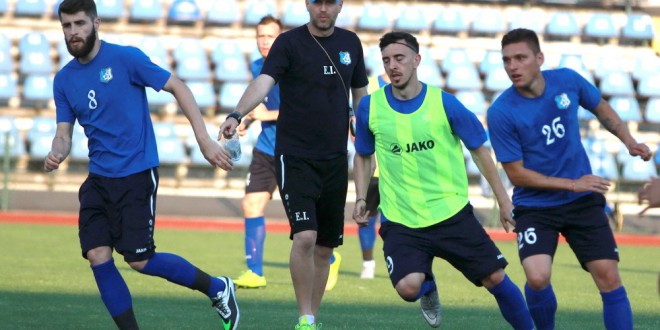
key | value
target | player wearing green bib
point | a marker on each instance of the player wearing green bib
(416, 130)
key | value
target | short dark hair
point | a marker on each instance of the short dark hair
(268, 19)
(73, 6)
(522, 35)
(396, 37)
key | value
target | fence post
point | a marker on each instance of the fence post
(5, 170)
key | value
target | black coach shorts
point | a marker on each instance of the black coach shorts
(261, 173)
(119, 213)
(313, 193)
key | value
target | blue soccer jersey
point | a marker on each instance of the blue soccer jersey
(107, 96)
(544, 133)
(266, 140)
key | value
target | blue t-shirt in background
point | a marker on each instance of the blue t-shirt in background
(107, 96)
(544, 133)
(266, 139)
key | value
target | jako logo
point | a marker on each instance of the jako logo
(412, 147)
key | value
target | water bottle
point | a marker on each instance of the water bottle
(233, 147)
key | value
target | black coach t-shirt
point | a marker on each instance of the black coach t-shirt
(313, 119)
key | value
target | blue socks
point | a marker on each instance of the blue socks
(427, 286)
(543, 306)
(617, 312)
(512, 304)
(255, 235)
(113, 289)
(178, 270)
(367, 234)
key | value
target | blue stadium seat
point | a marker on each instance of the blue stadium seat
(450, 21)
(496, 80)
(230, 63)
(8, 86)
(42, 126)
(153, 46)
(627, 107)
(617, 83)
(159, 100)
(604, 165)
(191, 60)
(584, 114)
(16, 145)
(38, 89)
(492, 60)
(63, 54)
(465, 77)
(606, 63)
(6, 60)
(204, 94)
(531, 18)
(489, 21)
(256, 9)
(346, 19)
(648, 64)
(164, 129)
(146, 10)
(170, 151)
(295, 14)
(374, 17)
(40, 146)
(373, 60)
(636, 170)
(34, 52)
(79, 148)
(30, 8)
(184, 12)
(411, 19)
(652, 110)
(455, 57)
(572, 61)
(3, 6)
(230, 93)
(562, 25)
(638, 27)
(223, 13)
(428, 72)
(649, 86)
(110, 10)
(600, 26)
(474, 101)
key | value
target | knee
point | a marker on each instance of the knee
(538, 281)
(137, 265)
(99, 255)
(493, 279)
(407, 292)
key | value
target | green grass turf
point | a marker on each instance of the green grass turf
(45, 284)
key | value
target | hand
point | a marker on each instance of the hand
(216, 155)
(651, 193)
(228, 128)
(639, 149)
(506, 216)
(591, 182)
(360, 213)
(52, 161)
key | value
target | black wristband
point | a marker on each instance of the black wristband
(236, 115)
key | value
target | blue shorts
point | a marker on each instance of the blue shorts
(582, 222)
(119, 213)
(261, 173)
(461, 240)
(314, 196)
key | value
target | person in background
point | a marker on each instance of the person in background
(315, 65)
(415, 131)
(535, 133)
(650, 192)
(103, 88)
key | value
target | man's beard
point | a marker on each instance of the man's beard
(87, 46)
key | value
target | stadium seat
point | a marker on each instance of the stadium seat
(465, 77)
(6, 60)
(37, 90)
(63, 54)
(256, 9)
(230, 63)
(146, 11)
(3, 6)
(346, 19)
(584, 114)
(373, 60)
(455, 57)
(638, 27)
(617, 83)
(636, 170)
(42, 126)
(295, 14)
(110, 10)
(204, 94)
(606, 63)
(428, 72)
(374, 17)
(8, 86)
(230, 93)
(490, 22)
(34, 52)
(649, 86)
(223, 13)
(450, 21)
(492, 60)
(159, 100)
(184, 12)
(9, 134)
(496, 80)
(40, 146)
(153, 46)
(411, 19)
(533, 18)
(79, 148)
(648, 64)
(30, 8)
(474, 101)
(652, 110)
(562, 25)
(572, 61)
(600, 26)
(170, 150)
(164, 129)
(603, 165)
(626, 107)
(191, 60)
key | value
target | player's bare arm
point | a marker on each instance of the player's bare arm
(362, 166)
(486, 165)
(613, 123)
(523, 177)
(60, 147)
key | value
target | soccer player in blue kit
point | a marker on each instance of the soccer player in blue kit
(103, 88)
(535, 133)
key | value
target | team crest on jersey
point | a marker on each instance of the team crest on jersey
(562, 101)
(345, 58)
(105, 75)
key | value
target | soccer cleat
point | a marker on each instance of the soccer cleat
(226, 306)
(303, 324)
(251, 280)
(333, 274)
(431, 308)
(368, 269)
